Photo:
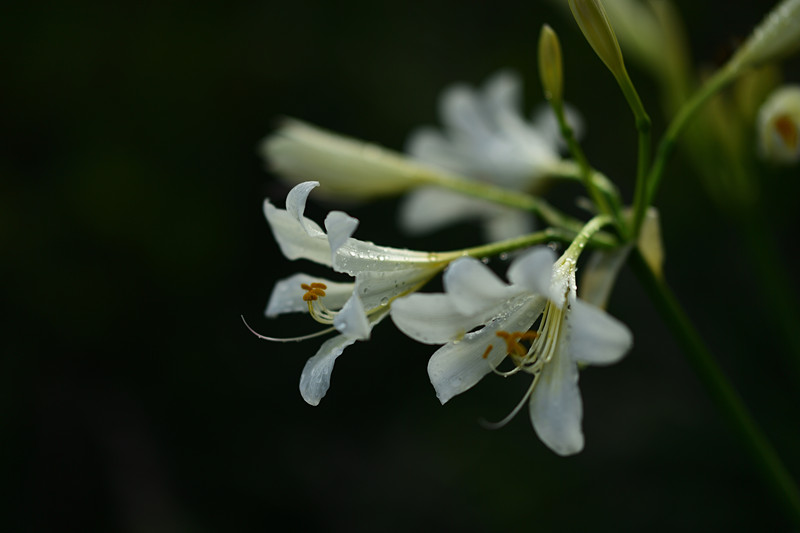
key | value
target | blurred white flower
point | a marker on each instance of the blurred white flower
(381, 275)
(779, 126)
(484, 138)
(537, 321)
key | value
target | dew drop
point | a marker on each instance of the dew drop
(485, 260)
(384, 301)
(503, 256)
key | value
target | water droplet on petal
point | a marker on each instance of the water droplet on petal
(485, 260)
(384, 301)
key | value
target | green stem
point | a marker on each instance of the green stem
(717, 82)
(643, 127)
(524, 241)
(583, 164)
(719, 388)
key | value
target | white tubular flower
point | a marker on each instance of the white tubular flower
(779, 126)
(484, 138)
(536, 321)
(381, 275)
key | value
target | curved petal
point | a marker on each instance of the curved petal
(340, 227)
(473, 287)
(287, 295)
(430, 318)
(296, 205)
(595, 337)
(379, 289)
(297, 240)
(351, 320)
(534, 270)
(457, 366)
(316, 377)
(556, 408)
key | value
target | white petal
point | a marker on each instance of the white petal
(296, 205)
(463, 114)
(379, 288)
(297, 240)
(556, 408)
(347, 167)
(473, 287)
(431, 318)
(287, 295)
(457, 366)
(340, 227)
(595, 337)
(354, 256)
(534, 270)
(316, 377)
(430, 147)
(428, 209)
(351, 321)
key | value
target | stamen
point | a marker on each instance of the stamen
(486, 353)
(287, 339)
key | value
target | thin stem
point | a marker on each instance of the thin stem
(719, 388)
(643, 127)
(502, 196)
(583, 163)
(720, 79)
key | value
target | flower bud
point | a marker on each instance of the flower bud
(592, 19)
(777, 35)
(779, 126)
(550, 65)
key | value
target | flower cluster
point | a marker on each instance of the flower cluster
(490, 163)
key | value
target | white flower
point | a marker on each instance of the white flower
(381, 275)
(537, 321)
(484, 138)
(347, 167)
(779, 126)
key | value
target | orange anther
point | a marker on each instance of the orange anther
(318, 285)
(309, 297)
(486, 353)
(787, 130)
(318, 292)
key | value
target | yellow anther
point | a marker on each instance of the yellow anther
(514, 340)
(314, 291)
(486, 353)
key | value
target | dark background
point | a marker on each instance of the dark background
(133, 399)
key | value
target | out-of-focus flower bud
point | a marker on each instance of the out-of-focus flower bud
(777, 35)
(779, 126)
(550, 66)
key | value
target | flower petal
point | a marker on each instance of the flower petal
(429, 208)
(316, 377)
(296, 205)
(431, 318)
(351, 320)
(534, 270)
(473, 287)
(340, 227)
(596, 337)
(600, 273)
(457, 366)
(287, 295)
(296, 240)
(556, 408)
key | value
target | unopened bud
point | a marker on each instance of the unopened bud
(779, 126)
(592, 19)
(550, 66)
(777, 35)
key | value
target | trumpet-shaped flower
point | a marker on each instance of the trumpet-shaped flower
(779, 126)
(536, 321)
(485, 138)
(381, 275)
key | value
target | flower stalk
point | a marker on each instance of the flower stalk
(720, 390)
